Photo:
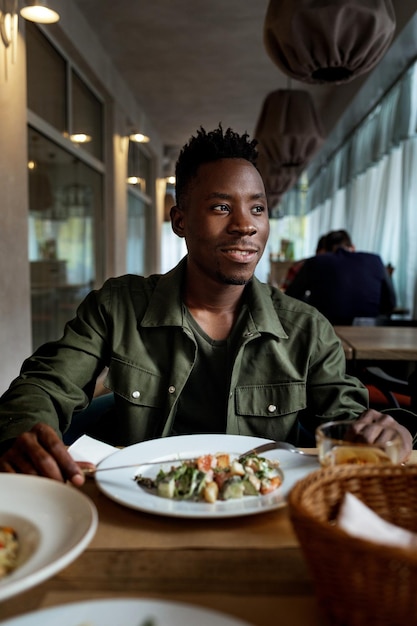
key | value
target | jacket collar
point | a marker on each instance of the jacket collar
(165, 305)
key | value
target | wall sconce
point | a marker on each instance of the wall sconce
(138, 137)
(8, 21)
(39, 11)
(138, 182)
(79, 138)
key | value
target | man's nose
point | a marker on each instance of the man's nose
(242, 222)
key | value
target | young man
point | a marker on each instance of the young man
(204, 348)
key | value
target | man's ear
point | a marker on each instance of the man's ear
(177, 220)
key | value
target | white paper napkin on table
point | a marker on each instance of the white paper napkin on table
(90, 450)
(360, 521)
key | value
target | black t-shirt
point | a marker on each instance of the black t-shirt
(202, 406)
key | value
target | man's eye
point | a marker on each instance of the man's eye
(221, 208)
(258, 209)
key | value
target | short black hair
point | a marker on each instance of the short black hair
(207, 147)
(321, 244)
(336, 239)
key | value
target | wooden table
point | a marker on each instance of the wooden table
(382, 343)
(250, 567)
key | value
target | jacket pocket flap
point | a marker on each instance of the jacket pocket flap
(270, 400)
(136, 385)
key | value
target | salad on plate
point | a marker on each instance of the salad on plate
(213, 477)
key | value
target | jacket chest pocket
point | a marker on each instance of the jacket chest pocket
(140, 387)
(270, 400)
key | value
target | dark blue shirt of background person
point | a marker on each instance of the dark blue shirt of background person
(344, 284)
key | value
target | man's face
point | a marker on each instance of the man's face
(224, 221)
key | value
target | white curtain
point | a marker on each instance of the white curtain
(379, 210)
(370, 189)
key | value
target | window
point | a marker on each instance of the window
(139, 204)
(136, 223)
(46, 79)
(65, 196)
(65, 187)
(139, 168)
(87, 114)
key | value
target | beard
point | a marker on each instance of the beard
(233, 280)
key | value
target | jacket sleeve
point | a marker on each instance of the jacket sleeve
(333, 393)
(59, 377)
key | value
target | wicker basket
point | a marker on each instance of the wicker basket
(358, 582)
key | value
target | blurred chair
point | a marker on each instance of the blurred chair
(395, 396)
(278, 271)
(385, 389)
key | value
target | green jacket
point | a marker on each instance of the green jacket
(289, 360)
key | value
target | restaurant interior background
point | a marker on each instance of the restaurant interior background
(81, 200)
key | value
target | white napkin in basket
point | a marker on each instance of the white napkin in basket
(91, 450)
(360, 521)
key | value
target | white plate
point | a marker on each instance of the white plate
(119, 484)
(126, 612)
(54, 523)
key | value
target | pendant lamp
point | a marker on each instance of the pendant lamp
(288, 132)
(328, 41)
(277, 179)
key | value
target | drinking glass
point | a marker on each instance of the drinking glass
(339, 444)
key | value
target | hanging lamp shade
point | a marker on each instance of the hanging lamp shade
(288, 129)
(277, 179)
(332, 41)
(288, 132)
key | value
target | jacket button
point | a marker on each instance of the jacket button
(272, 408)
(171, 389)
(135, 394)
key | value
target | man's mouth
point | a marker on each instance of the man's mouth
(240, 254)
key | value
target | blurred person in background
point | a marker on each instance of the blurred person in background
(294, 269)
(343, 283)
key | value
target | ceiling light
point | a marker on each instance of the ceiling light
(170, 180)
(139, 138)
(38, 11)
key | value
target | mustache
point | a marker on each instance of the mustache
(241, 242)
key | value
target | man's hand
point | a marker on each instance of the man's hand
(379, 427)
(41, 452)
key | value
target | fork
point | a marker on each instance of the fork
(271, 445)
